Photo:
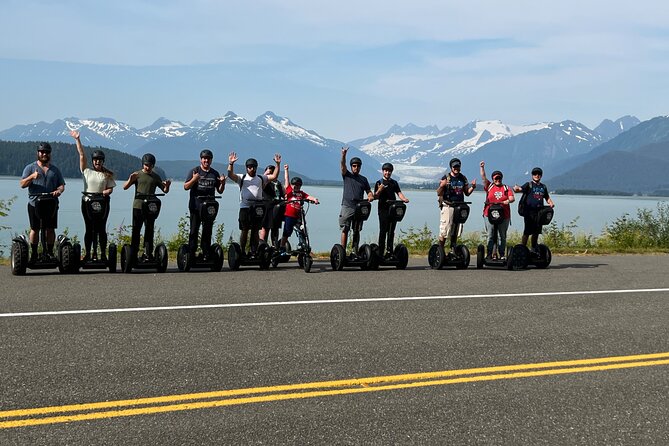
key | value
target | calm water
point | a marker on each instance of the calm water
(592, 212)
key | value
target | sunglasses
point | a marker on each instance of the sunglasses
(497, 179)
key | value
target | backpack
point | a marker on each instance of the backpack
(522, 204)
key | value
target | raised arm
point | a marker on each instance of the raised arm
(484, 178)
(286, 175)
(342, 162)
(274, 175)
(82, 156)
(232, 159)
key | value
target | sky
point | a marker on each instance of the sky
(345, 69)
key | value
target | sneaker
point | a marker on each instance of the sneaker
(87, 258)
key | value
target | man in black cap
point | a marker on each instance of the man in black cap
(534, 194)
(250, 191)
(42, 177)
(202, 180)
(354, 186)
(452, 189)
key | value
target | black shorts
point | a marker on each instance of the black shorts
(531, 223)
(49, 223)
(245, 221)
(273, 216)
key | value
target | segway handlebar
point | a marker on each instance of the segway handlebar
(148, 195)
(204, 197)
(41, 194)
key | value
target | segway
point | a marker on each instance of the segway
(96, 206)
(262, 256)
(437, 257)
(542, 257)
(399, 255)
(363, 256)
(303, 251)
(495, 218)
(213, 259)
(65, 259)
(159, 258)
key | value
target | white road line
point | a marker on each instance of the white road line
(326, 301)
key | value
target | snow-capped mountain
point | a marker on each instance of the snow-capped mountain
(610, 129)
(429, 146)
(104, 132)
(304, 150)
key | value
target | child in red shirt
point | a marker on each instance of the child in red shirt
(294, 197)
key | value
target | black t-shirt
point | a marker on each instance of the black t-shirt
(536, 194)
(389, 192)
(273, 190)
(206, 185)
(455, 192)
(354, 188)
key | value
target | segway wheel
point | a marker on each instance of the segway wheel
(300, 260)
(111, 258)
(126, 259)
(401, 253)
(183, 258)
(463, 256)
(162, 257)
(518, 258)
(19, 258)
(337, 257)
(76, 264)
(545, 257)
(366, 255)
(66, 263)
(234, 256)
(216, 252)
(480, 256)
(436, 256)
(308, 261)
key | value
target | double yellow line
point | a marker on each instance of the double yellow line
(173, 403)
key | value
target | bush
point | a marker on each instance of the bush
(646, 231)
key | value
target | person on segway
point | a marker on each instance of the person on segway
(386, 189)
(534, 194)
(453, 187)
(355, 185)
(202, 181)
(145, 181)
(98, 180)
(294, 199)
(498, 197)
(42, 177)
(273, 193)
(250, 192)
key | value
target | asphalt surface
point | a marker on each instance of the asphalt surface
(479, 321)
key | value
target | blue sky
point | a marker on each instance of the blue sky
(345, 69)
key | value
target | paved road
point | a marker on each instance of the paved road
(228, 340)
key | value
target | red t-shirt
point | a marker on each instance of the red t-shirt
(497, 194)
(293, 208)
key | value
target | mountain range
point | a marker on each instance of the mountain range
(420, 154)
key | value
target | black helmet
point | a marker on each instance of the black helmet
(295, 181)
(356, 160)
(149, 159)
(44, 147)
(98, 155)
(270, 167)
(387, 166)
(496, 173)
(537, 171)
(252, 162)
(206, 153)
(454, 162)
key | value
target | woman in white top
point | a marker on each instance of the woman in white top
(98, 180)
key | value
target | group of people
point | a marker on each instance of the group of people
(282, 206)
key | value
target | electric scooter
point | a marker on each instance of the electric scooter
(159, 258)
(65, 259)
(303, 251)
(263, 253)
(399, 255)
(542, 257)
(213, 260)
(96, 206)
(362, 256)
(437, 257)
